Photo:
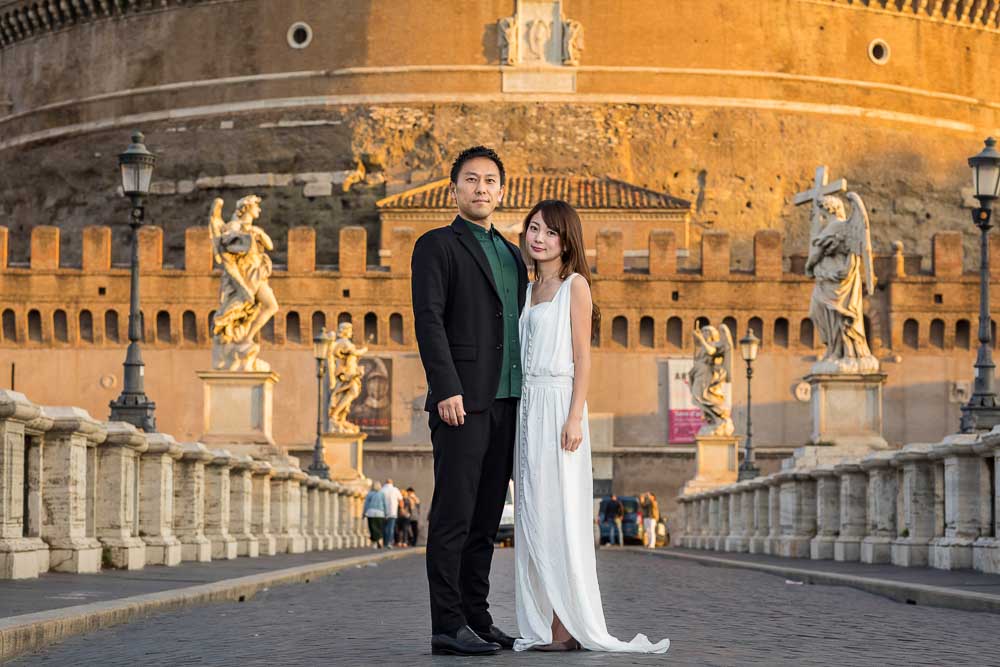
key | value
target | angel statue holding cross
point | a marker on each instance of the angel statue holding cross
(840, 259)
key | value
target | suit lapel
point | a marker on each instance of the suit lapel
(470, 243)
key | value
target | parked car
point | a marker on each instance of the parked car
(632, 527)
(506, 532)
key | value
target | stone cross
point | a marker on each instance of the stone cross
(819, 190)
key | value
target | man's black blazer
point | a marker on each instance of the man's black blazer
(458, 315)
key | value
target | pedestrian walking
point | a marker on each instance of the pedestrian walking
(392, 497)
(374, 511)
(403, 521)
(414, 517)
(650, 517)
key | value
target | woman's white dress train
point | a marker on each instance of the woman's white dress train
(556, 569)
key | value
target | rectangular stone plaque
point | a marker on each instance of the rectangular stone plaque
(539, 81)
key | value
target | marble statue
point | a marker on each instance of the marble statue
(572, 46)
(246, 301)
(713, 368)
(507, 40)
(345, 374)
(840, 259)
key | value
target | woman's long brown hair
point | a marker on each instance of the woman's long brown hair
(563, 218)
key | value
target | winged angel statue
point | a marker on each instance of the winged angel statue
(712, 369)
(246, 301)
(840, 259)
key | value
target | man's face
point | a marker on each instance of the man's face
(478, 191)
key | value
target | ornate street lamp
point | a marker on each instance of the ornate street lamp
(133, 406)
(982, 412)
(319, 468)
(749, 346)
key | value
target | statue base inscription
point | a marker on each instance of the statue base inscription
(715, 462)
(847, 419)
(343, 453)
(238, 411)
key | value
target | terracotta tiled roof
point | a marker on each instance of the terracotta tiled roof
(523, 192)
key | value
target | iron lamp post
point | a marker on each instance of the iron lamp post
(982, 412)
(319, 468)
(749, 346)
(132, 405)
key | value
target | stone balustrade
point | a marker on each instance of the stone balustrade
(932, 505)
(79, 495)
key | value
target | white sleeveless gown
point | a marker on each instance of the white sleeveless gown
(556, 569)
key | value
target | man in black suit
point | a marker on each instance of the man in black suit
(469, 285)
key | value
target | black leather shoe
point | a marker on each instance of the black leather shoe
(497, 636)
(462, 642)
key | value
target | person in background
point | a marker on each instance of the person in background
(403, 520)
(650, 517)
(392, 497)
(414, 517)
(374, 511)
(612, 515)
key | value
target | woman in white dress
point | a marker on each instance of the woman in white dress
(557, 596)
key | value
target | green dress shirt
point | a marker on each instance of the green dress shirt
(504, 268)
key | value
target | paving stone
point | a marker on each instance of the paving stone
(713, 616)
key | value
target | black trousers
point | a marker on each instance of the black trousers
(472, 468)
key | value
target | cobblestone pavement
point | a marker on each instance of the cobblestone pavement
(713, 615)
(54, 590)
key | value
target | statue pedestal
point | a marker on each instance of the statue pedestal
(238, 409)
(847, 419)
(715, 462)
(342, 452)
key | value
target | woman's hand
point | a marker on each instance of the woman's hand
(572, 434)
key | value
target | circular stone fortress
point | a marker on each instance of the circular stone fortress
(730, 105)
(682, 130)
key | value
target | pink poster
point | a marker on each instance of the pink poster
(683, 418)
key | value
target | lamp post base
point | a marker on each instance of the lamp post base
(979, 417)
(135, 409)
(747, 471)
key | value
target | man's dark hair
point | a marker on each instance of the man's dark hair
(409, 489)
(474, 152)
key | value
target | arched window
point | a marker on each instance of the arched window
(371, 328)
(867, 324)
(111, 326)
(396, 328)
(646, 332)
(163, 327)
(701, 321)
(60, 330)
(911, 334)
(293, 329)
(806, 335)
(781, 332)
(730, 322)
(34, 326)
(86, 326)
(267, 331)
(142, 326)
(9, 326)
(619, 330)
(937, 333)
(757, 326)
(211, 325)
(595, 337)
(344, 317)
(993, 333)
(189, 324)
(318, 322)
(963, 335)
(675, 332)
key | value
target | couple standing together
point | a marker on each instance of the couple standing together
(508, 365)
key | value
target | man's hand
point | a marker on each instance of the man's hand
(452, 411)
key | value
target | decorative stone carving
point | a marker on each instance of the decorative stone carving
(572, 43)
(712, 369)
(840, 259)
(345, 375)
(246, 301)
(507, 40)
